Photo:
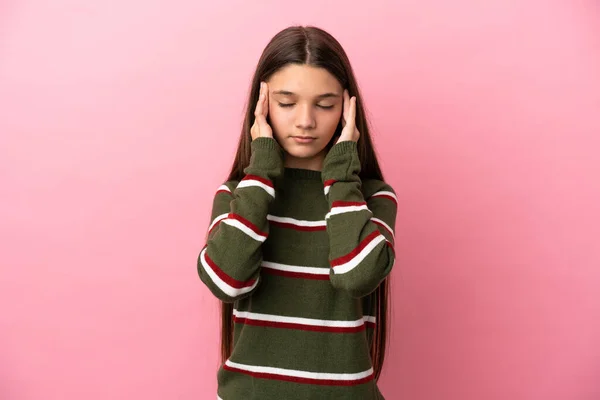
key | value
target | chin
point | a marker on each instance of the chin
(303, 151)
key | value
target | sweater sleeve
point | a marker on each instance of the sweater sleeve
(360, 230)
(229, 263)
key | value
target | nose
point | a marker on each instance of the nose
(304, 117)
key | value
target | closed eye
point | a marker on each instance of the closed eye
(287, 105)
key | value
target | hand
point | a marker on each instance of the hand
(349, 131)
(261, 128)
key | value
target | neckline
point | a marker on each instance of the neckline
(300, 173)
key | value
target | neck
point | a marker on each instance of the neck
(314, 163)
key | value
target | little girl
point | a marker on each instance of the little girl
(302, 235)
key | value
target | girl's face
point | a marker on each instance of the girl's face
(305, 107)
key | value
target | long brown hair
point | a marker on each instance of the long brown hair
(315, 47)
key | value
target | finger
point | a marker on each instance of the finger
(262, 120)
(260, 123)
(265, 89)
(259, 104)
(346, 105)
(352, 117)
(352, 111)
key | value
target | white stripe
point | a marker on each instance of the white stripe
(384, 193)
(296, 268)
(225, 288)
(297, 222)
(218, 398)
(251, 182)
(216, 220)
(345, 209)
(327, 189)
(300, 374)
(368, 318)
(350, 265)
(224, 187)
(237, 224)
(298, 320)
(385, 225)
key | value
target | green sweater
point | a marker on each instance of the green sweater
(299, 253)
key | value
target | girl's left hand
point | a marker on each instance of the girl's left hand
(349, 131)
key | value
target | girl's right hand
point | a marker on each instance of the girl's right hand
(261, 128)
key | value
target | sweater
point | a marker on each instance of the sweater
(299, 253)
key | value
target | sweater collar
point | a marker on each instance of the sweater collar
(301, 174)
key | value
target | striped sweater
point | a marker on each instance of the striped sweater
(299, 253)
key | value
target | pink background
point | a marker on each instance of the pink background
(119, 119)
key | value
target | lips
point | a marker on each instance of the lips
(303, 139)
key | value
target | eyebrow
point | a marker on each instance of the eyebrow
(321, 96)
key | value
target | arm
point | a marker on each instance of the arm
(360, 230)
(230, 262)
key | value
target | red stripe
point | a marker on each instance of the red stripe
(384, 227)
(247, 223)
(215, 225)
(354, 253)
(226, 278)
(391, 246)
(370, 324)
(298, 227)
(341, 203)
(302, 327)
(224, 191)
(327, 382)
(258, 178)
(292, 274)
(387, 197)
(329, 182)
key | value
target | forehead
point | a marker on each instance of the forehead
(304, 80)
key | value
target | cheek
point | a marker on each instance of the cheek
(329, 121)
(280, 120)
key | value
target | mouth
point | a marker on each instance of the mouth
(304, 139)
